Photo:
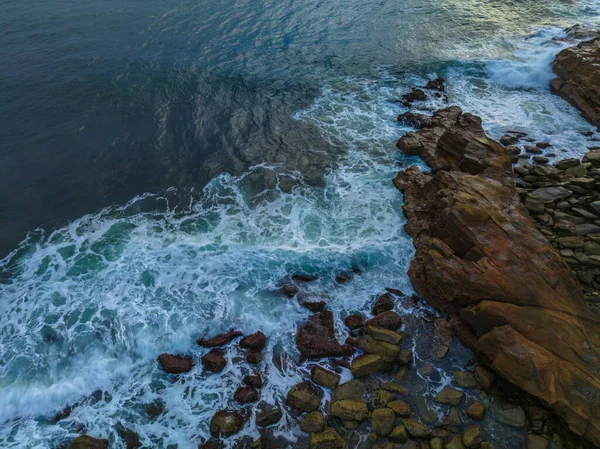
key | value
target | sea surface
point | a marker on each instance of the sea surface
(164, 165)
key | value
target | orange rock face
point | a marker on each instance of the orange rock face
(578, 70)
(480, 258)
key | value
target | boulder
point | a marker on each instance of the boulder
(226, 423)
(398, 435)
(175, 364)
(387, 351)
(509, 414)
(350, 409)
(313, 422)
(353, 322)
(88, 442)
(381, 334)
(313, 302)
(353, 389)
(472, 437)
(416, 429)
(436, 84)
(414, 95)
(324, 377)
(219, 340)
(255, 342)
(476, 410)
(268, 415)
(305, 396)
(465, 379)
(245, 395)
(399, 407)
(367, 364)
(450, 396)
(214, 360)
(578, 82)
(327, 439)
(384, 303)
(316, 338)
(383, 421)
(388, 320)
(254, 381)
(381, 398)
(480, 259)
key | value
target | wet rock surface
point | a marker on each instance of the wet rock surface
(479, 257)
(578, 70)
(219, 340)
(175, 364)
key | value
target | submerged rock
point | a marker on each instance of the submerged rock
(479, 257)
(175, 364)
(88, 442)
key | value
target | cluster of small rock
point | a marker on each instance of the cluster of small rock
(372, 409)
(564, 203)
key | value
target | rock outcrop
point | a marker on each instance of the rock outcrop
(578, 70)
(480, 259)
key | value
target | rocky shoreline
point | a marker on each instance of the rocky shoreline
(510, 296)
(511, 260)
(578, 79)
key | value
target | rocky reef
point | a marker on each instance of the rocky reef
(479, 258)
(579, 78)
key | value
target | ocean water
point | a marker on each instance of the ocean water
(147, 151)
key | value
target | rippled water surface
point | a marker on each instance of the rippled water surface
(217, 110)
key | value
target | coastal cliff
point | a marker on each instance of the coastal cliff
(480, 259)
(578, 70)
